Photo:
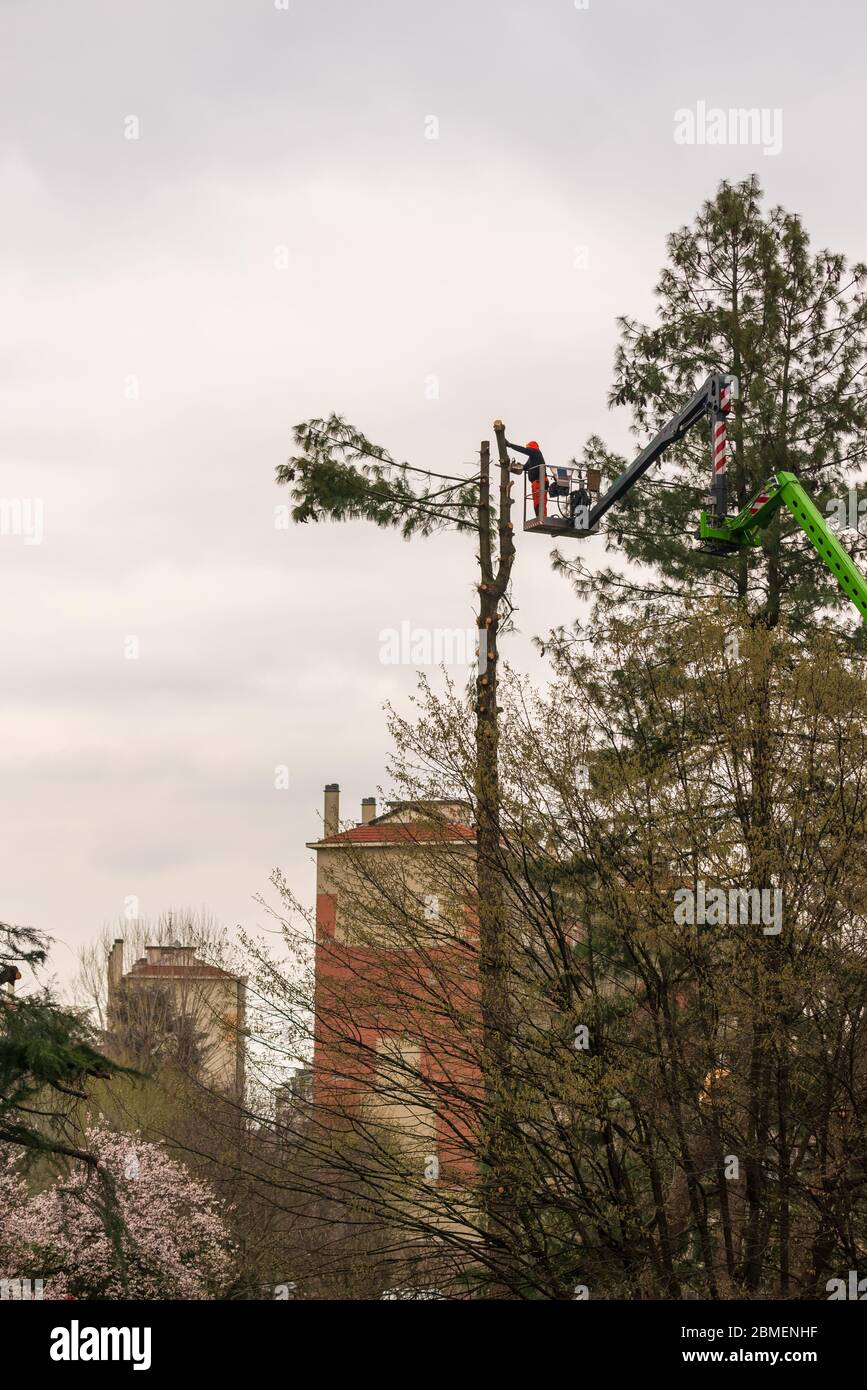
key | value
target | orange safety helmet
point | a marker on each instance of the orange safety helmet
(531, 444)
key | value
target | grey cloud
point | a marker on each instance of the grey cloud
(154, 260)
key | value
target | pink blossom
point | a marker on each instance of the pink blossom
(175, 1243)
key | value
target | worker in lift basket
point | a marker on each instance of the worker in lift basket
(534, 468)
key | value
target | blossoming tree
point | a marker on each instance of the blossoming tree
(174, 1241)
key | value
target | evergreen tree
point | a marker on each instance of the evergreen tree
(47, 1054)
(742, 292)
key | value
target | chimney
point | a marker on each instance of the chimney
(115, 964)
(115, 980)
(331, 818)
(173, 954)
(368, 809)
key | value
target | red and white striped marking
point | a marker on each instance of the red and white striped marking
(719, 446)
(759, 502)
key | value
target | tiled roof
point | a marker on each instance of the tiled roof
(410, 832)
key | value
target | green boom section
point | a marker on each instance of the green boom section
(746, 528)
(824, 542)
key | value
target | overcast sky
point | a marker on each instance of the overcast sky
(282, 239)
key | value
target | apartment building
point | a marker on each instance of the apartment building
(396, 1015)
(171, 1005)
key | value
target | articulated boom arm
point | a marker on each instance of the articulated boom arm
(746, 528)
(715, 397)
(721, 533)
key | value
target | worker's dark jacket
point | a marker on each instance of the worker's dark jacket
(534, 460)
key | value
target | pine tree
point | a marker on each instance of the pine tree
(47, 1054)
(742, 292)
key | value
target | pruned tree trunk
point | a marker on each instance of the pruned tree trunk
(494, 968)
